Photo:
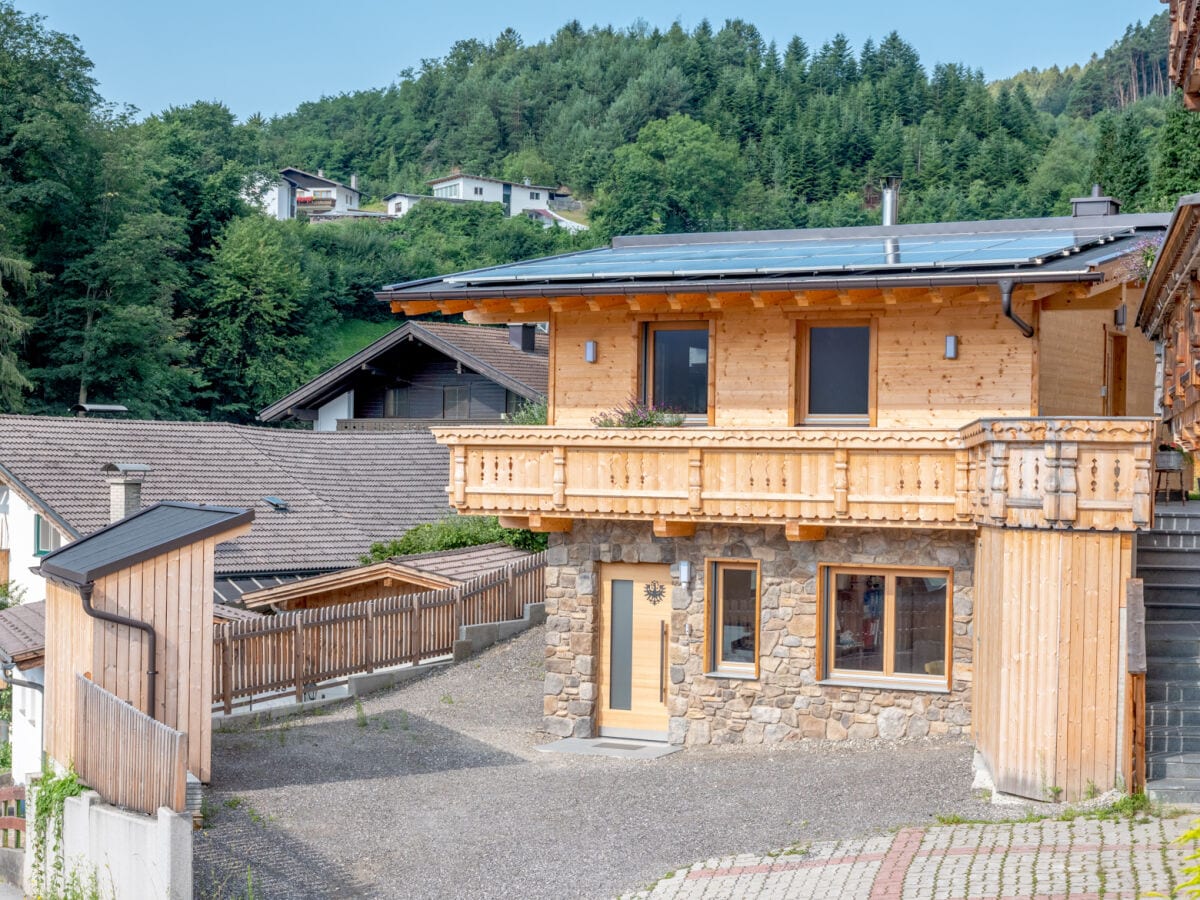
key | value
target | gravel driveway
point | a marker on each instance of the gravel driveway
(436, 790)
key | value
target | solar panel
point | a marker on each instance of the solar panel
(801, 256)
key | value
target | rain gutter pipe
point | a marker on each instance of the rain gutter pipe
(85, 593)
(1006, 292)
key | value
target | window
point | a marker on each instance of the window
(45, 538)
(887, 624)
(395, 403)
(732, 618)
(322, 194)
(676, 367)
(535, 195)
(836, 374)
(456, 401)
(478, 192)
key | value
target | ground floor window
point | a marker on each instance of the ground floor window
(732, 618)
(886, 624)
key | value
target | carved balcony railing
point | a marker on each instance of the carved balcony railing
(1043, 473)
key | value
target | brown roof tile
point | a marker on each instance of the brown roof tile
(344, 490)
(23, 633)
(463, 563)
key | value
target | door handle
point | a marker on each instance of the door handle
(662, 662)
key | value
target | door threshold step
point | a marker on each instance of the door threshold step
(618, 748)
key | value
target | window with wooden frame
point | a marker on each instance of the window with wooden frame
(835, 374)
(676, 367)
(887, 625)
(395, 404)
(732, 616)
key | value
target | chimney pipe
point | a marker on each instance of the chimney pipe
(891, 200)
(320, 173)
(354, 182)
(124, 488)
(522, 337)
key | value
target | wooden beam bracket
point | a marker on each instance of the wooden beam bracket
(797, 531)
(673, 528)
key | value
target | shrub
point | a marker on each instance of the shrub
(452, 533)
(634, 413)
(531, 412)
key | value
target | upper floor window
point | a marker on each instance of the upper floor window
(456, 401)
(836, 374)
(535, 195)
(478, 192)
(677, 366)
(395, 403)
(322, 194)
(45, 538)
(887, 624)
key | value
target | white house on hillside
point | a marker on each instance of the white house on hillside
(516, 198)
(298, 193)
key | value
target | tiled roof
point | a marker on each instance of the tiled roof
(464, 563)
(23, 633)
(343, 490)
(485, 349)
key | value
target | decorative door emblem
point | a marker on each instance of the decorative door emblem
(655, 592)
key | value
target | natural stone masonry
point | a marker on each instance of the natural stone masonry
(786, 701)
(1083, 858)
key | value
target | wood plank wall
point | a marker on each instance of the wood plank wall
(1049, 678)
(754, 362)
(1072, 359)
(173, 593)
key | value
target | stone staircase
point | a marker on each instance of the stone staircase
(1168, 562)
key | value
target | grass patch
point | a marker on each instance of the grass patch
(360, 717)
(348, 338)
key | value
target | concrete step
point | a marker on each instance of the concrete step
(1163, 742)
(1179, 575)
(1167, 613)
(1173, 669)
(1172, 715)
(1167, 551)
(1178, 629)
(1174, 791)
(1176, 766)
(1173, 647)
(1185, 693)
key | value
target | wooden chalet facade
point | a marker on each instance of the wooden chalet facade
(1184, 49)
(902, 503)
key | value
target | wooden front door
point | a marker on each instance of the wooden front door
(1116, 366)
(634, 636)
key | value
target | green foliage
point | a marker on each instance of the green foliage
(452, 533)
(50, 799)
(634, 413)
(531, 412)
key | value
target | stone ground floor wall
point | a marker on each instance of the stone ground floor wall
(786, 701)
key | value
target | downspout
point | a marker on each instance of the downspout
(7, 665)
(1006, 291)
(85, 593)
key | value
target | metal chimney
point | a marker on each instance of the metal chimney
(354, 182)
(1095, 205)
(891, 200)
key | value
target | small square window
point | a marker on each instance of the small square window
(46, 539)
(733, 618)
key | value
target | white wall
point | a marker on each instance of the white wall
(277, 201)
(17, 528)
(26, 731)
(400, 206)
(340, 407)
(521, 199)
(134, 857)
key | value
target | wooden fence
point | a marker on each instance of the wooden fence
(127, 757)
(293, 653)
(12, 816)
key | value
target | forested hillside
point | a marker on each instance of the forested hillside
(133, 271)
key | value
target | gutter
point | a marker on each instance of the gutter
(858, 282)
(7, 664)
(85, 594)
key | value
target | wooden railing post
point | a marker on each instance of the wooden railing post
(560, 478)
(998, 470)
(1068, 482)
(695, 479)
(962, 485)
(1141, 484)
(370, 637)
(841, 483)
(414, 631)
(1050, 482)
(298, 658)
(459, 487)
(227, 668)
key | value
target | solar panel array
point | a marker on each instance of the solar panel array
(803, 256)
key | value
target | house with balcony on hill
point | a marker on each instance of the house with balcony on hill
(298, 193)
(901, 501)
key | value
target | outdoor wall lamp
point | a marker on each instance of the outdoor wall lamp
(952, 346)
(589, 351)
(1119, 316)
(685, 574)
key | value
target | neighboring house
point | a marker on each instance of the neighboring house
(298, 193)
(422, 373)
(515, 197)
(399, 575)
(321, 499)
(23, 660)
(1184, 50)
(402, 204)
(898, 505)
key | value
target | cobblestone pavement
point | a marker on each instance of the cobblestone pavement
(1047, 860)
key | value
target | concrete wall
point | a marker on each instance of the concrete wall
(340, 407)
(133, 857)
(26, 733)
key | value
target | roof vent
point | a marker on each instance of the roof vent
(891, 200)
(83, 410)
(124, 488)
(276, 503)
(1094, 205)
(522, 337)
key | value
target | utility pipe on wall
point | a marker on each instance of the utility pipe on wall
(85, 593)
(1006, 292)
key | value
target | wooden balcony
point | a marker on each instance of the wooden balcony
(1042, 473)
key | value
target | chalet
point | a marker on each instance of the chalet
(321, 499)
(902, 501)
(1184, 50)
(422, 373)
(297, 193)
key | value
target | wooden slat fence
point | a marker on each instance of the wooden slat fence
(130, 759)
(12, 816)
(293, 653)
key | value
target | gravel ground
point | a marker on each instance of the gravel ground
(436, 790)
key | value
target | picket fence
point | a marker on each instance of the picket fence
(295, 652)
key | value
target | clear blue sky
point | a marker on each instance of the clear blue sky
(269, 55)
